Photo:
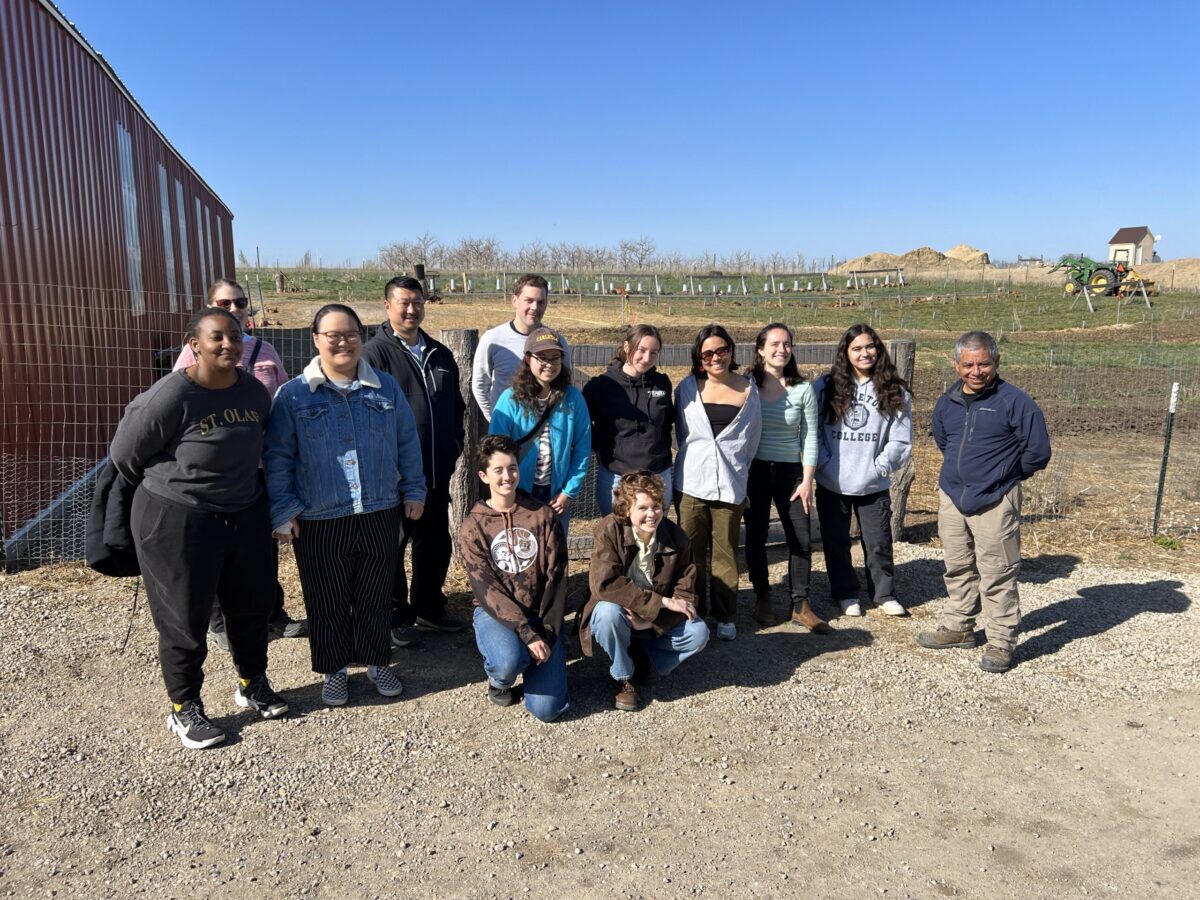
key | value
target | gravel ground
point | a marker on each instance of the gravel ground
(845, 766)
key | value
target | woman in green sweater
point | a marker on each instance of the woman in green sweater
(782, 473)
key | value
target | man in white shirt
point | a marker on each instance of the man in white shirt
(502, 348)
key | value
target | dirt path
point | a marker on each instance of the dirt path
(851, 766)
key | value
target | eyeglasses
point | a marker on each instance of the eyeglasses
(341, 337)
(547, 361)
(239, 302)
(719, 353)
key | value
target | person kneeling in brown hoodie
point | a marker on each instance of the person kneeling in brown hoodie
(642, 610)
(515, 554)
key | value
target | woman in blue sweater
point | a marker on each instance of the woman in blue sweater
(548, 418)
(866, 434)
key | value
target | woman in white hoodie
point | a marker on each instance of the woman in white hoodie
(865, 413)
(717, 425)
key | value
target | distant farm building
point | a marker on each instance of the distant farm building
(108, 239)
(1132, 246)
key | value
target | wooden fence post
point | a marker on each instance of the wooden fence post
(464, 486)
(904, 356)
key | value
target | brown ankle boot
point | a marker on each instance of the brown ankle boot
(763, 614)
(803, 615)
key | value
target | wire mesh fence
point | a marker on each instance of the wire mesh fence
(71, 360)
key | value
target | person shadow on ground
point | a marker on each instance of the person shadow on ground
(1094, 611)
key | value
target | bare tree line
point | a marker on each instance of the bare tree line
(641, 254)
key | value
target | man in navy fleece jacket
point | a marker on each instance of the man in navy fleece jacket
(992, 437)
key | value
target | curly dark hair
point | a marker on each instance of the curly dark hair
(712, 330)
(791, 373)
(840, 386)
(492, 444)
(526, 388)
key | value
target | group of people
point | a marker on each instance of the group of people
(351, 461)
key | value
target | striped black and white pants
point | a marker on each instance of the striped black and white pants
(346, 567)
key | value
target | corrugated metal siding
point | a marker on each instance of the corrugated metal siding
(73, 350)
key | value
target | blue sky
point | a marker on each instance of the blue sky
(709, 127)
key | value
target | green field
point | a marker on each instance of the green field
(1035, 324)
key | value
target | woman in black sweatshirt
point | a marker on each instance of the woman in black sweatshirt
(192, 443)
(632, 414)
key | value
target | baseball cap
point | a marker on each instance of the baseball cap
(543, 338)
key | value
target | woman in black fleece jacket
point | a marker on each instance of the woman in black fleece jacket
(632, 414)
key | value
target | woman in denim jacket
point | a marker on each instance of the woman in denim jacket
(554, 447)
(343, 465)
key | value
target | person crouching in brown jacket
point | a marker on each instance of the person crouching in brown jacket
(515, 554)
(642, 609)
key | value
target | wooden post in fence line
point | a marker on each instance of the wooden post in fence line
(464, 486)
(904, 356)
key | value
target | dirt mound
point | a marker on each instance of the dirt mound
(922, 258)
(877, 260)
(972, 256)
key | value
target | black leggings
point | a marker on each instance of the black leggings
(774, 482)
(188, 556)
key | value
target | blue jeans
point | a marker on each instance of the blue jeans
(606, 487)
(542, 492)
(505, 657)
(612, 631)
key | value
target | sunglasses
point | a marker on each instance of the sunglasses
(719, 353)
(239, 302)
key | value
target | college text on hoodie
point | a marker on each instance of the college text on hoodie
(989, 444)
(614, 550)
(516, 562)
(714, 467)
(570, 439)
(858, 453)
(434, 397)
(632, 418)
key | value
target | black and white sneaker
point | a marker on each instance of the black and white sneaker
(258, 695)
(286, 627)
(405, 636)
(386, 681)
(194, 729)
(501, 696)
(220, 639)
(443, 621)
(336, 690)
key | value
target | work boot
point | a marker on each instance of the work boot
(763, 614)
(804, 616)
(945, 639)
(625, 695)
(995, 660)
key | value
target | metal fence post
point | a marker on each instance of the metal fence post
(1162, 471)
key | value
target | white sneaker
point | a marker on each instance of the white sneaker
(726, 631)
(850, 607)
(893, 608)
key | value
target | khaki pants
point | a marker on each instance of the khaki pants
(983, 557)
(710, 523)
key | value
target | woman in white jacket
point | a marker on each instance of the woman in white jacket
(865, 413)
(717, 427)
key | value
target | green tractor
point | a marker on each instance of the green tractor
(1101, 278)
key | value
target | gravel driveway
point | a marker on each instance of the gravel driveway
(784, 763)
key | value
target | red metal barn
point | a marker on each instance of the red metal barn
(108, 239)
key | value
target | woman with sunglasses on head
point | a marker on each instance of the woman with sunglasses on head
(717, 426)
(260, 359)
(632, 415)
(343, 466)
(782, 473)
(865, 413)
(548, 418)
(192, 443)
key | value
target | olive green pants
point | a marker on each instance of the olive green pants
(712, 525)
